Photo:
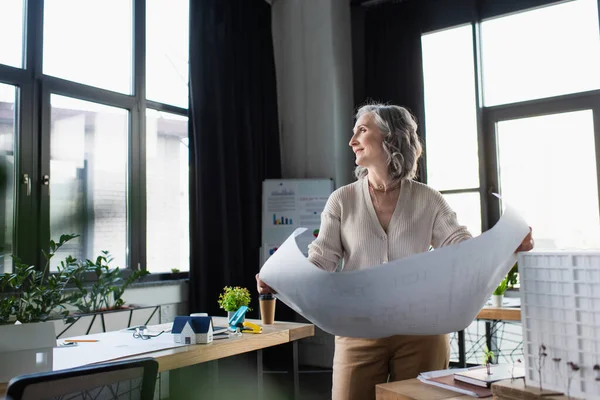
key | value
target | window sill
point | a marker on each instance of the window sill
(162, 280)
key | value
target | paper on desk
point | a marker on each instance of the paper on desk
(436, 292)
(110, 346)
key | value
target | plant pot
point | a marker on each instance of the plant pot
(497, 300)
(230, 314)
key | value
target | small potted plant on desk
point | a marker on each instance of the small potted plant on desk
(488, 358)
(509, 281)
(233, 298)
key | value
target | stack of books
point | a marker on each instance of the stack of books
(474, 381)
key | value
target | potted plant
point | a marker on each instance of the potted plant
(509, 281)
(106, 287)
(488, 358)
(33, 295)
(233, 298)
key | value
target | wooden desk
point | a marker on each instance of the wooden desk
(413, 389)
(185, 356)
(500, 313)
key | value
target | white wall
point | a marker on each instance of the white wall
(173, 298)
(313, 57)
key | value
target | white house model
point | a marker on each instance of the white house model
(192, 330)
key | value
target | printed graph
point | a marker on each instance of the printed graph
(282, 220)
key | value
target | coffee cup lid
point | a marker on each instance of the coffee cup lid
(266, 296)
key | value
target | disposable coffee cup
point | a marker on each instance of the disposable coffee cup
(267, 308)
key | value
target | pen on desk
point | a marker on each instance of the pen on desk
(80, 340)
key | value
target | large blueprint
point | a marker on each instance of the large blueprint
(440, 291)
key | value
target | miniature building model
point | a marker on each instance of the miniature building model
(192, 330)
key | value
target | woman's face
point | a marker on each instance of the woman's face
(367, 142)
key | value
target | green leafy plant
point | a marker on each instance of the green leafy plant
(233, 298)
(510, 280)
(107, 285)
(501, 287)
(488, 358)
(33, 295)
(513, 276)
(175, 270)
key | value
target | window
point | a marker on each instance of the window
(545, 52)
(98, 161)
(90, 42)
(450, 109)
(559, 198)
(7, 172)
(88, 170)
(167, 191)
(11, 32)
(167, 48)
(468, 210)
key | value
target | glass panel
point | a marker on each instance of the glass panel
(540, 53)
(548, 172)
(7, 174)
(467, 207)
(167, 51)
(450, 109)
(88, 178)
(167, 192)
(90, 42)
(11, 32)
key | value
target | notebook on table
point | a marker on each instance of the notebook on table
(498, 372)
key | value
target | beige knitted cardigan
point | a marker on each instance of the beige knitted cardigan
(351, 231)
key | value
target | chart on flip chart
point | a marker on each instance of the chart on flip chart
(289, 204)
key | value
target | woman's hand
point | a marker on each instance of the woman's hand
(262, 287)
(526, 244)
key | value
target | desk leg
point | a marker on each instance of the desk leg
(295, 370)
(260, 374)
(462, 355)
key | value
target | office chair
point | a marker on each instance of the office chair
(120, 380)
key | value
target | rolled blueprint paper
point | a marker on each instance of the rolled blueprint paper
(435, 292)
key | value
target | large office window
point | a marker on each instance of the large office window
(451, 121)
(559, 197)
(90, 42)
(167, 191)
(11, 32)
(93, 131)
(537, 78)
(8, 106)
(88, 170)
(167, 51)
(540, 53)
(540, 155)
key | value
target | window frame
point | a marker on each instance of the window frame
(32, 148)
(486, 130)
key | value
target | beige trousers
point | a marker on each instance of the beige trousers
(360, 364)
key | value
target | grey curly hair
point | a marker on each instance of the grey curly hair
(400, 140)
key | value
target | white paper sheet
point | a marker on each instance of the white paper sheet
(436, 292)
(111, 346)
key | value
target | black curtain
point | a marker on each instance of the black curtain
(234, 143)
(387, 57)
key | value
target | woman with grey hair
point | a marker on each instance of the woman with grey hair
(384, 216)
